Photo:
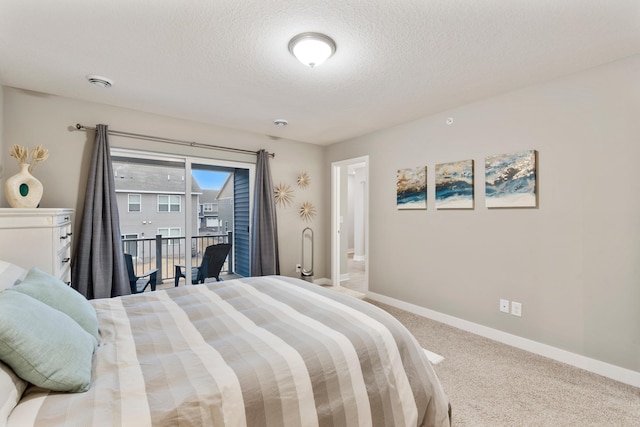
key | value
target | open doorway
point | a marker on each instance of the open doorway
(350, 224)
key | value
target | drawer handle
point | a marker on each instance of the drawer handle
(65, 260)
(66, 218)
(64, 237)
(69, 234)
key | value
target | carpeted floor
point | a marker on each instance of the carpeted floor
(492, 384)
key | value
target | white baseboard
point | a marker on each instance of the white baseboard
(608, 370)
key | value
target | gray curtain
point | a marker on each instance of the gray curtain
(264, 238)
(99, 269)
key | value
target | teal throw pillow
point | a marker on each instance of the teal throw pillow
(55, 293)
(44, 346)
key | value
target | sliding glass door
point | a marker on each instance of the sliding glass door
(172, 208)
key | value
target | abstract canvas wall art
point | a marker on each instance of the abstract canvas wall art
(511, 180)
(454, 185)
(411, 188)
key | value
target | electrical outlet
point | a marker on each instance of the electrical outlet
(516, 309)
(298, 268)
(504, 305)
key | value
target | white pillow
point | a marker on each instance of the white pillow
(11, 389)
(10, 274)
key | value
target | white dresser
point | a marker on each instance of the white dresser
(38, 237)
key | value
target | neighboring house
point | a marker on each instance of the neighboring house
(151, 201)
(208, 212)
(216, 209)
(225, 205)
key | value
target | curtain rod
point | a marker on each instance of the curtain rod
(172, 141)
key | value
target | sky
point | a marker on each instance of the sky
(209, 180)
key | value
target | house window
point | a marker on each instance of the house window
(134, 202)
(208, 207)
(170, 232)
(168, 203)
(131, 247)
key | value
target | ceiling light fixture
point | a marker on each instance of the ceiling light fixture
(100, 81)
(312, 49)
(280, 122)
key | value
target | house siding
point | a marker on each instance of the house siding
(241, 225)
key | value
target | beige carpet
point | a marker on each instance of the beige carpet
(492, 384)
(347, 291)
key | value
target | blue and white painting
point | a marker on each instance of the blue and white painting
(510, 180)
(454, 185)
(411, 188)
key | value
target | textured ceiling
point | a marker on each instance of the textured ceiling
(226, 62)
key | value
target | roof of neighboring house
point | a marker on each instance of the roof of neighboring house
(226, 191)
(132, 177)
(209, 196)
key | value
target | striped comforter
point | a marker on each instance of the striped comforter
(268, 351)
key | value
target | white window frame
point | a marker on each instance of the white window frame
(171, 232)
(128, 245)
(188, 160)
(170, 203)
(139, 202)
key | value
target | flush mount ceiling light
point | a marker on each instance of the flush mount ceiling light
(312, 49)
(100, 81)
(280, 122)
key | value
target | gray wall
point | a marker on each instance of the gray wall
(573, 263)
(33, 118)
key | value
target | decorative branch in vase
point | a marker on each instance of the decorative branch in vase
(23, 190)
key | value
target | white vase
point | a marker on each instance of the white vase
(23, 190)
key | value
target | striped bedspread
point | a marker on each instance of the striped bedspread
(267, 351)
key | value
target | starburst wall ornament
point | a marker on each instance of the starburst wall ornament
(307, 211)
(303, 180)
(283, 194)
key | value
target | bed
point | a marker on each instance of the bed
(264, 351)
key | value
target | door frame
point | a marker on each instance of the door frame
(336, 208)
(187, 161)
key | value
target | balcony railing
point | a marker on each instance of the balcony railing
(164, 253)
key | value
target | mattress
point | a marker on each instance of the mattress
(264, 351)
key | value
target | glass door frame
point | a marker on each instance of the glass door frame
(188, 161)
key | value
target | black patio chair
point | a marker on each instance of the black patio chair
(139, 283)
(211, 265)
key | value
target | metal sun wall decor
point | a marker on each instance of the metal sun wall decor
(307, 211)
(411, 188)
(283, 194)
(303, 180)
(511, 180)
(454, 185)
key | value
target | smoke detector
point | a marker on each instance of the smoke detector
(100, 81)
(280, 122)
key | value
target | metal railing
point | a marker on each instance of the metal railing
(164, 253)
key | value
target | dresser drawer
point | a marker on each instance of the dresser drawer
(64, 234)
(38, 237)
(63, 265)
(63, 219)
